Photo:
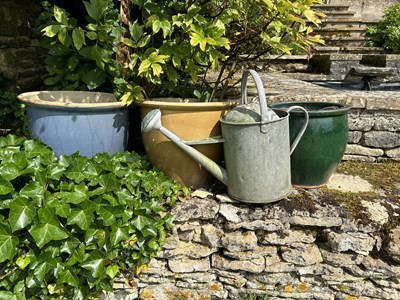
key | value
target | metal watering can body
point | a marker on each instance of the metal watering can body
(257, 152)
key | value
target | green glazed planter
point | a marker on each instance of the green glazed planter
(323, 144)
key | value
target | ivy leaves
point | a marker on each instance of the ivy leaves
(69, 226)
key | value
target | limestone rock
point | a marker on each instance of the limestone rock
(317, 221)
(202, 194)
(229, 212)
(393, 153)
(354, 137)
(258, 251)
(211, 235)
(393, 246)
(192, 250)
(359, 158)
(302, 254)
(286, 238)
(381, 139)
(239, 241)
(378, 213)
(266, 225)
(349, 184)
(231, 278)
(195, 208)
(362, 123)
(351, 241)
(253, 266)
(361, 150)
(187, 265)
(387, 123)
(341, 259)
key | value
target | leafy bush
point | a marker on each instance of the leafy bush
(69, 226)
(164, 47)
(387, 32)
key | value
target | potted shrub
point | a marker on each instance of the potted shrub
(180, 49)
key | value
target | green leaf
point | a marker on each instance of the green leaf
(62, 35)
(95, 8)
(93, 78)
(9, 171)
(67, 276)
(136, 31)
(60, 15)
(112, 271)
(49, 228)
(78, 37)
(118, 235)
(141, 221)
(8, 244)
(23, 261)
(82, 218)
(5, 186)
(21, 213)
(51, 30)
(95, 264)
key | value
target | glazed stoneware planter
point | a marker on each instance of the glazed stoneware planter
(68, 121)
(190, 120)
(323, 144)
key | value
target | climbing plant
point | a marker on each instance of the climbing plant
(68, 227)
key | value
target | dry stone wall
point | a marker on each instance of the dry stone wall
(21, 58)
(294, 249)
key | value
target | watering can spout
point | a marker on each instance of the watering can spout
(152, 121)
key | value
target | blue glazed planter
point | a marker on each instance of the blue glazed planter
(88, 122)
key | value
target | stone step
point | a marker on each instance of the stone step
(329, 7)
(339, 15)
(340, 32)
(346, 41)
(352, 50)
(344, 24)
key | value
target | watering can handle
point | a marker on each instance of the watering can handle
(303, 128)
(260, 91)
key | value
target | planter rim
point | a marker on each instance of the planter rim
(315, 109)
(188, 104)
(75, 100)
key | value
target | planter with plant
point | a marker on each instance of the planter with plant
(68, 227)
(184, 49)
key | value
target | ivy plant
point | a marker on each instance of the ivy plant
(387, 32)
(68, 227)
(12, 114)
(164, 47)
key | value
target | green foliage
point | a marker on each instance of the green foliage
(164, 47)
(12, 114)
(69, 226)
(387, 32)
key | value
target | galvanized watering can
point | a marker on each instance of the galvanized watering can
(256, 147)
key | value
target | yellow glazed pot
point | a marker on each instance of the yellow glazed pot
(190, 120)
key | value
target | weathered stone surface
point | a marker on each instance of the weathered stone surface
(319, 221)
(239, 241)
(341, 259)
(393, 245)
(231, 278)
(387, 123)
(211, 235)
(187, 265)
(203, 209)
(189, 249)
(365, 289)
(258, 251)
(286, 238)
(267, 225)
(354, 137)
(378, 268)
(201, 193)
(196, 277)
(230, 213)
(378, 212)
(362, 123)
(381, 139)
(351, 241)
(359, 158)
(360, 150)
(393, 153)
(253, 266)
(301, 254)
(203, 290)
(349, 184)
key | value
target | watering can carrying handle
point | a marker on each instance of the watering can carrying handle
(260, 91)
(303, 128)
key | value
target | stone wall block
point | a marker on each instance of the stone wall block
(253, 266)
(317, 221)
(200, 209)
(286, 238)
(365, 151)
(258, 251)
(211, 235)
(392, 247)
(359, 158)
(187, 265)
(301, 254)
(351, 241)
(239, 241)
(362, 123)
(387, 123)
(341, 259)
(393, 153)
(354, 137)
(381, 139)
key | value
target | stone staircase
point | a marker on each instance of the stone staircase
(342, 31)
